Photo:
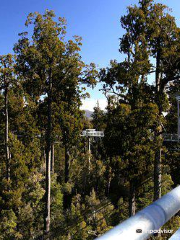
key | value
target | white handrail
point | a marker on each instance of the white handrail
(145, 222)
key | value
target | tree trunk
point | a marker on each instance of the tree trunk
(157, 175)
(47, 219)
(109, 176)
(157, 162)
(109, 185)
(132, 200)
(52, 158)
(89, 153)
(7, 136)
(67, 157)
(48, 192)
(67, 163)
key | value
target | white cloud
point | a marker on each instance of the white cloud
(89, 104)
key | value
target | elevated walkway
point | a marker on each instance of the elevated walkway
(170, 137)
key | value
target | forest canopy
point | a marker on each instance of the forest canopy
(51, 184)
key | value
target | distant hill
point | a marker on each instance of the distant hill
(88, 113)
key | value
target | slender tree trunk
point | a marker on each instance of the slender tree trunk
(67, 158)
(52, 158)
(132, 199)
(89, 152)
(7, 136)
(48, 193)
(109, 185)
(48, 161)
(158, 71)
(157, 175)
(157, 162)
(67, 163)
(109, 176)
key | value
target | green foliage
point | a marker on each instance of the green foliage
(8, 225)
(90, 193)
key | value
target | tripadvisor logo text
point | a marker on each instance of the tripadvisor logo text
(155, 231)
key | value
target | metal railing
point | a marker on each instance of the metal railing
(92, 133)
(170, 137)
(142, 225)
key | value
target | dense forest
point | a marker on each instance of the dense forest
(51, 186)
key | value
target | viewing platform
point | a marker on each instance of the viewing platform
(171, 137)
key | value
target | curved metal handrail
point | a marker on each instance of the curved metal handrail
(145, 222)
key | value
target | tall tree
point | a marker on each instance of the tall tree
(46, 62)
(6, 82)
(157, 27)
(150, 43)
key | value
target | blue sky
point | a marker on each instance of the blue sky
(96, 21)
